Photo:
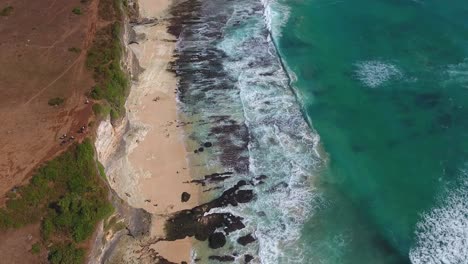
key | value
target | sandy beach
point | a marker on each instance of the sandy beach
(153, 170)
(160, 156)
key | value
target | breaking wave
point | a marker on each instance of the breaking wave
(458, 74)
(442, 233)
(376, 73)
(282, 145)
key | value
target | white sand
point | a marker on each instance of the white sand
(151, 171)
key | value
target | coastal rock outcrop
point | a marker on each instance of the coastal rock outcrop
(245, 240)
(217, 240)
(185, 197)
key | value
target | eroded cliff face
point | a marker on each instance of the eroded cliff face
(113, 141)
(113, 144)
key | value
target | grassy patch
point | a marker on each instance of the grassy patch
(77, 11)
(56, 101)
(36, 248)
(66, 254)
(74, 49)
(6, 11)
(67, 196)
(104, 60)
(101, 170)
(101, 111)
(110, 10)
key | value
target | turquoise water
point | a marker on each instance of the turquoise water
(385, 84)
(380, 175)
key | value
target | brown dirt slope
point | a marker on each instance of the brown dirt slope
(36, 64)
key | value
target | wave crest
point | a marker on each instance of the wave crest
(442, 234)
(375, 73)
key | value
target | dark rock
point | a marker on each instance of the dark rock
(207, 144)
(248, 258)
(278, 187)
(232, 223)
(201, 149)
(195, 223)
(261, 213)
(195, 151)
(245, 240)
(259, 180)
(225, 258)
(213, 178)
(212, 189)
(217, 240)
(185, 197)
(244, 196)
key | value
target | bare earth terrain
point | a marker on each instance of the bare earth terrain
(36, 64)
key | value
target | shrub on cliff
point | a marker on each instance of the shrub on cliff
(67, 195)
(6, 11)
(104, 59)
(66, 254)
(56, 101)
(77, 11)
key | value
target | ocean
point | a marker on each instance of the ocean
(346, 119)
(384, 83)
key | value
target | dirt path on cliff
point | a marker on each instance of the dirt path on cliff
(44, 46)
(43, 56)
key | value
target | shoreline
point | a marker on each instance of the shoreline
(145, 156)
(236, 142)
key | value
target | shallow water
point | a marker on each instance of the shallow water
(232, 86)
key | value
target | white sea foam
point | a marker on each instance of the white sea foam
(458, 74)
(375, 73)
(276, 15)
(282, 145)
(256, 94)
(442, 233)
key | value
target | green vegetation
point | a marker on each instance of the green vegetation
(74, 49)
(110, 10)
(77, 11)
(56, 101)
(36, 248)
(101, 111)
(104, 60)
(101, 170)
(66, 254)
(6, 11)
(115, 224)
(69, 198)
(67, 195)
